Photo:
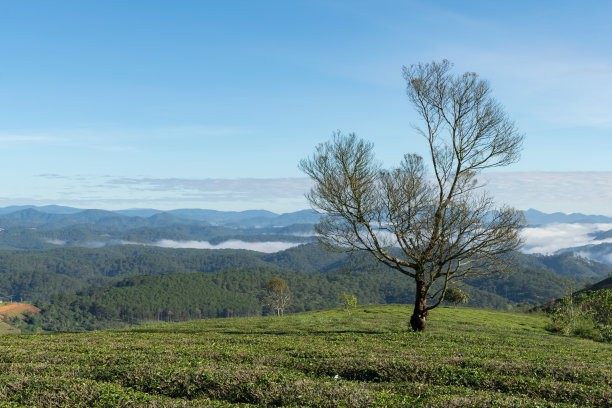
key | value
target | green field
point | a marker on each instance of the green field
(469, 357)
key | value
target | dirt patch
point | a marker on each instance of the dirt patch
(17, 309)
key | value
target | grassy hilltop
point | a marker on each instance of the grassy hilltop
(470, 357)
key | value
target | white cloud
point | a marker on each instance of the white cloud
(586, 192)
(552, 237)
(232, 188)
(264, 246)
(268, 247)
(55, 241)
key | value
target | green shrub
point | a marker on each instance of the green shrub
(456, 296)
(588, 315)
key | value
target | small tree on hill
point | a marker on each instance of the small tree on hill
(433, 227)
(349, 301)
(277, 295)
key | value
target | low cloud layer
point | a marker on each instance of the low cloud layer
(550, 238)
(55, 241)
(267, 247)
(264, 246)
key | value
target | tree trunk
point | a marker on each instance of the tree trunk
(419, 315)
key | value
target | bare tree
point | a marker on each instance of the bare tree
(435, 226)
(277, 295)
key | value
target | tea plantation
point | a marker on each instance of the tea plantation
(469, 357)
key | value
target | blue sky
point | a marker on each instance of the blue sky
(211, 104)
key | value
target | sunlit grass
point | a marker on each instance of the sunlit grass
(469, 357)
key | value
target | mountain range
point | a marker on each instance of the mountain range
(53, 226)
(31, 227)
(88, 269)
(53, 216)
(536, 218)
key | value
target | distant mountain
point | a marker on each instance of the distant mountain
(235, 219)
(238, 219)
(598, 252)
(33, 218)
(222, 217)
(51, 209)
(139, 212)
(263, 218)
(299, 217)
(293, 229)
(602, 235)
(535, 218)
(31, 227)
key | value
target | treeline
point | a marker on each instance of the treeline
(81, 288)
(237, 292)
(37, 275)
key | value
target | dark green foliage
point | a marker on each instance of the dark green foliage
(569, 265)
(36, 275)
(531, 285)
(238, 292)
(316, 277)
(308, 258)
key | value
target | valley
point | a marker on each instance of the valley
(130, 279)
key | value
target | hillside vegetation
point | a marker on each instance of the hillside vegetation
(87, 288)
(36, 275)
(470, 357)
(237, 292)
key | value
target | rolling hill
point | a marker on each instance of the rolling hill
(469, 357)
(84, 289)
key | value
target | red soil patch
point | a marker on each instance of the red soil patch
(17, 309)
